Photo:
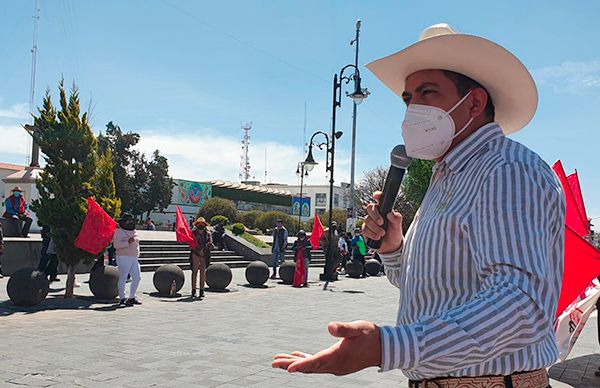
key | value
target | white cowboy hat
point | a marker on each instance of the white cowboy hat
(506, 79)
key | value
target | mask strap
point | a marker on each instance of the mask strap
(459, 102)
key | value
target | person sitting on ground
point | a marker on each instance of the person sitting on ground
(16, 209)
(218, 235)
(359, 250)
(149, 224)
(301, 248)
(127, 245)
(200, 256)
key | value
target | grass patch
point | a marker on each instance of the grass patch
(251, 239)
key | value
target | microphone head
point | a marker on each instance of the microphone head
(398, 157)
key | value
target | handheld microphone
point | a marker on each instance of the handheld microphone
(399, 164)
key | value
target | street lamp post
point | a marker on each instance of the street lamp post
(357, 95)
(302, 170)
(354, 42)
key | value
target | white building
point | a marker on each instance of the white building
(319, 196)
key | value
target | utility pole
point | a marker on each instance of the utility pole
(353, 157)
(35, 149)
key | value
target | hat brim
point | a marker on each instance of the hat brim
(508, 82)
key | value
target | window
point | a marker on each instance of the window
(320, 211)
(320, 200)
(336, 200)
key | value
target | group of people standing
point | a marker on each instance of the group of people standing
(126, 243)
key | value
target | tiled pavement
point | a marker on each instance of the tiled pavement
(226, 340)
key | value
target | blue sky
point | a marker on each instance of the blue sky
(186, 74)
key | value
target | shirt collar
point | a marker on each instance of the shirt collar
(469, 147)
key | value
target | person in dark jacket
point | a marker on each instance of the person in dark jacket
(218, 235)
(280, 241)
(48, 261)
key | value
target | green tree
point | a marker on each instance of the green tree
(120, 144)
(249, 218)
(266, 221)
(218, 207)
(160, 184)
(339, 216)
(416, 183)
(73, 172)
(372, 181)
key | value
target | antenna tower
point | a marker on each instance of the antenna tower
(245, 163)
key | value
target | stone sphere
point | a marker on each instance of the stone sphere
(27, 287)
(373, 267)
(257, 273)
(164, 276)
(354, 268)
(104, 282)
(286, 271)
(218, 276)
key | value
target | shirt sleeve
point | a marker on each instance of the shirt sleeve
(120, 240)
(515, 233)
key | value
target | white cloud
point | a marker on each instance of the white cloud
(206, 154)
(570, 77)
(16, 111)
(14, 140)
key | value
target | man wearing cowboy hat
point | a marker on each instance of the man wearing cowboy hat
(16, 208)
(480, 268)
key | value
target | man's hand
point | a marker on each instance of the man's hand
(372, 228)
(131, 240)
(358, 348)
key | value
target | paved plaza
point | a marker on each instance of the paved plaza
(226, 340)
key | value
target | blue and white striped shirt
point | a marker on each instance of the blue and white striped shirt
(481, 266)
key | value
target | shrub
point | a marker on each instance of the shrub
(216, 219)
(218, 207)
(249, 218)
(238, 229)
(339, 216)
(267, 221)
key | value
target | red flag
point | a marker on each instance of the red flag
(182, 230)
(97, 229)
(582, 265)
(573, 216)
(573, 180)
(317, 232)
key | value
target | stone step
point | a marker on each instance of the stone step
(183, 253)
(172, 260)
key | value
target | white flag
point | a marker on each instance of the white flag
(570, 323)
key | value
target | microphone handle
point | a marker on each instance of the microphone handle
(386, 201)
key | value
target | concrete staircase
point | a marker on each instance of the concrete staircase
(154, 253)
(317, 256)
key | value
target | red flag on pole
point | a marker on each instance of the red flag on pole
(573, 180)
(182, 230)
(317, 232)
(582, 265)
(573, 216)
(97, 229)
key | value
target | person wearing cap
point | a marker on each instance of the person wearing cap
(16, 208)
(200, 256)
(479, 270)
(127, 245)
(280, 242)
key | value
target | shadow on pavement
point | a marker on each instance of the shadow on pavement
(578, 372)
(8, 308)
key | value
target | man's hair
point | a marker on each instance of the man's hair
(464, 84)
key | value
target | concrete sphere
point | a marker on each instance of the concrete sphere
(257, 273)
(373, 267)
(104, 282)
(286, 271)
(27, 287)
(164, 276)
(354, 268)
(218, 276)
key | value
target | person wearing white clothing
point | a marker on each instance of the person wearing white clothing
(127, 245)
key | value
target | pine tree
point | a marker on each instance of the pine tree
(72, 173)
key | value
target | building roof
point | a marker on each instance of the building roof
(27, 175)
(11, 166)
(245, 187)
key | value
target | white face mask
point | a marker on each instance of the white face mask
(428, 131)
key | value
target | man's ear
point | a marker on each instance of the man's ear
(479, 99)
